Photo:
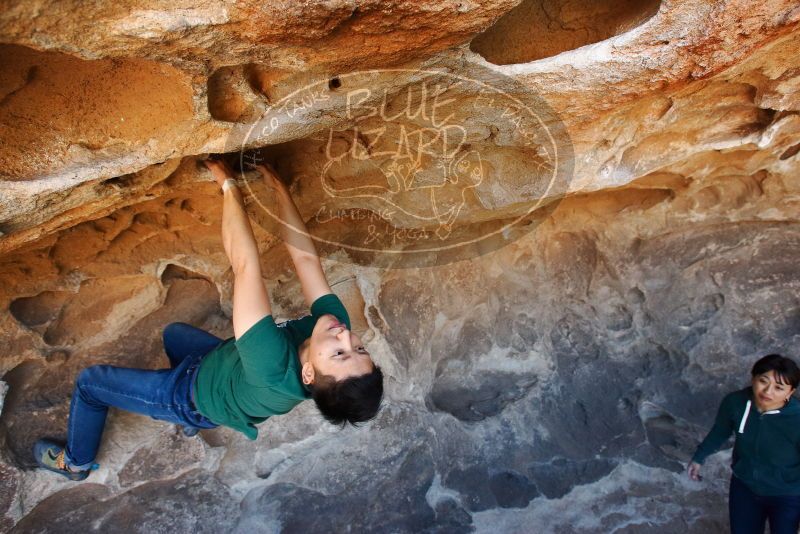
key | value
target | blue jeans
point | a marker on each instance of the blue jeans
(164, 394)
(749, 511)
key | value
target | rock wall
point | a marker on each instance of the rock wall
(555, 379)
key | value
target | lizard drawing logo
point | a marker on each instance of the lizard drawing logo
(414, 166)
(433, 194)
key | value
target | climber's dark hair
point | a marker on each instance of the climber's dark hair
(352, 400)
(786, 371)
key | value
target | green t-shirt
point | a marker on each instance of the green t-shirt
(243, 381)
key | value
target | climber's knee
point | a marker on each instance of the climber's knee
(172, 331)
(89, 375)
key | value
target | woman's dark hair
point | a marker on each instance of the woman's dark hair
(786, 371)
(352, 400)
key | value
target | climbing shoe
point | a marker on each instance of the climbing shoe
(50, 456)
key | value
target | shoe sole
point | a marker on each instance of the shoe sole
(40, 448)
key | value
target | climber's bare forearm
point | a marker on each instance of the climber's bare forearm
(294, 231)
(237, 234)
(301, 248)
(298, 241)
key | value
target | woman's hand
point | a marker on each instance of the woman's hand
(219, 170)
(694, 471)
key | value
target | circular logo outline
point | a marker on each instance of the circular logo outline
(536, 205)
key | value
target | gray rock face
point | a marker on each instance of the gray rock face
(562, 382)
(192, 503)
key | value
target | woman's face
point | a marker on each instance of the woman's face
(769, 393)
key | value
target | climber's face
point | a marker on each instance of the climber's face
(335, 351)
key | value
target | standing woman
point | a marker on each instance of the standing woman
(765, 417)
